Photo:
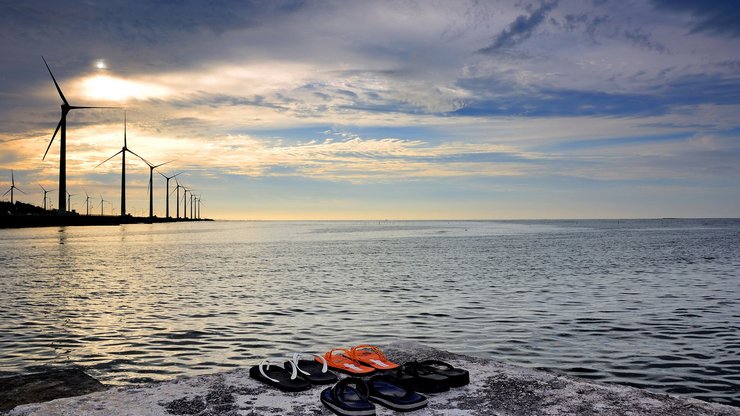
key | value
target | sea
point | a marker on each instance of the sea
(648, 303)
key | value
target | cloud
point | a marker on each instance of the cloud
(497, 97)
(520, 29)
(644, 40)
(715, 17)
(359, 160)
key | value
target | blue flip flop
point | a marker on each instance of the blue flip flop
(387, 391)
(349, 397)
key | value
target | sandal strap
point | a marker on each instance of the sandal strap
(353, 351)
(329, 356)
(265, 365)
(297, 357)
(431, 363)
(360, 386)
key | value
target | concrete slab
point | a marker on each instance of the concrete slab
(496, 389)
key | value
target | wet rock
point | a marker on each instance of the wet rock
(41, 387)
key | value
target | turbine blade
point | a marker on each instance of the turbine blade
(133, 153)
(80, 107)
(12, 177)
(154, 167)
(43, 188)
(6, 192)
(52, 138)
(19, 190)
(59, 90)
(110, 158)
(124, 129)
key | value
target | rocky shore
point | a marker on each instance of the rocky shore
(496, 389)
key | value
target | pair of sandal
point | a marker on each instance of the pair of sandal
(295, 374)
(361, 360)
(431, 376)
(354, 396)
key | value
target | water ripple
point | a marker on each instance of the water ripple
(652, 304)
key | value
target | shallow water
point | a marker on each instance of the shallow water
(653, 304)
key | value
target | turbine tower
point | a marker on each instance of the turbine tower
(45, 192)
(177, 197)
(87, 204)
(102, 202)
(151, 186)
(123, 151)
(62, 125)
(12, 187)
(185, 202)
(69, 201)
(168, 190)
(192, 205)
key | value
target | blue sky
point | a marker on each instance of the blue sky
(384, 109)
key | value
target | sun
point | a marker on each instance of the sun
(100, 64)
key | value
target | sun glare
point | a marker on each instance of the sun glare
(100, 64)
(105, 87)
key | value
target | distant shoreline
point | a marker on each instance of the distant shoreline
(30, 221)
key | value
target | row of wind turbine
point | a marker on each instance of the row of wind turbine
(62, 128)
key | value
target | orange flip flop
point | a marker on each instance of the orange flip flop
(339, 360)
(372, 356)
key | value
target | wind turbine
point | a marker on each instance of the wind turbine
(102, 204)
(185, 202)
(177, 200)
(45, 192)
(168, 190)
(87, 204)
(192, 206)
(69, 201)
(12, 187)
(123, 151)
(62, 125)
(151, 186)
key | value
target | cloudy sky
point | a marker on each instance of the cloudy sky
(382, 109)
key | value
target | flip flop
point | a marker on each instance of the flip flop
(349, 397)
(457, 376)
(340, 361)
(386, 391)
(279, 377)
(372, 356)
(314, 371)
(421, 379)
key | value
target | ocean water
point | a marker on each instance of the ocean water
(648, 303)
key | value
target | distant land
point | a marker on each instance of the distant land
(20, 215)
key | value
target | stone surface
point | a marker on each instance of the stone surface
(39, 387)
(496, 389)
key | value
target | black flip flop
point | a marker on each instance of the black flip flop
(457, 376)
(279, 377)
(349, 397)
(420, 379)
(388, 392)
(313, 371)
